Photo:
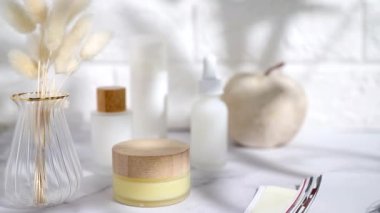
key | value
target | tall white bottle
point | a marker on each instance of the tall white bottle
(209, 122)
(110, 124)
(149, 87)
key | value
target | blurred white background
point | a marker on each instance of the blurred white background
(331, 47)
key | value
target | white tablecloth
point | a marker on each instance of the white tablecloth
(231, 189)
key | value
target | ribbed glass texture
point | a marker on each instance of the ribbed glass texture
(43, 167)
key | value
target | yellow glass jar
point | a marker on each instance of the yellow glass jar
(149, 173)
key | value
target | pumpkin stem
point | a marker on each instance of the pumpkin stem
(274, 68)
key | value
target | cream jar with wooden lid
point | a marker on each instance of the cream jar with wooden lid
(150, 173)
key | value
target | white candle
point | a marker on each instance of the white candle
(149, 88)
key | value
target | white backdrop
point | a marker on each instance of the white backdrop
(331, 47)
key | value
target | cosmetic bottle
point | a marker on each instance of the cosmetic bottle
(149, 87)
(209, 122)
(110, 124)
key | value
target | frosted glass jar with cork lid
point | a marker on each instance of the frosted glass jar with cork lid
(110, 124)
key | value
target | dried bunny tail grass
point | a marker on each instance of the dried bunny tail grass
(76, 7)
(32, 42)
(66, 66)
(37, 48)
(56, 25)
(81, 28)
(18, 17)
(23, 63)
(37, 9)
(72, 66)
(94, 45)
(62, 13)
(60, 66)
(74, 38)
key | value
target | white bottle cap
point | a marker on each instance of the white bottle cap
(210, 84)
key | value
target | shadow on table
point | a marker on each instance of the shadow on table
(207, 184)
(257, 161)
(91, 184)
(338, 151)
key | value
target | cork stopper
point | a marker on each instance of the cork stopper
(156, 158)
(111, 99)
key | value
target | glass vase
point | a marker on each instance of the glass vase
(43, 168)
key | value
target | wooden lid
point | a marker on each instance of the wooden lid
(111, 99)
(155, 158)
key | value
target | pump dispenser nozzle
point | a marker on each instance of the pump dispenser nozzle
(210, 84)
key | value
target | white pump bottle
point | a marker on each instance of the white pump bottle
(209, 122)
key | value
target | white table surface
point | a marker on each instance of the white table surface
(231, 189)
